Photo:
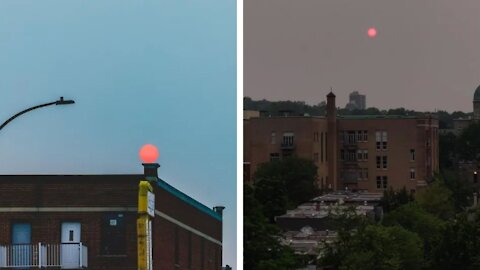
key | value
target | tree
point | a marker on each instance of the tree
(436, 199)
(375, 248)
(415, 219)
(285, 184)
(462, 189)
(447, 150)
(469, 142)
(262, 249)
(460, 245)
(392, 199)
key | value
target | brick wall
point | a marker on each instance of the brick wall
(110, 191)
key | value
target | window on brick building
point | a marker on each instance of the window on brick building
(384, 140)
(274, 137)
(379, 162)
(365, 154)
(384, 162)
(359, 136)
(113, 234)
(288, 139)
(365, 135)
(378, 139)
(381, 138)
(359, 155)
(412, 154)
(274, 156)
(412, 174)
(382, 182)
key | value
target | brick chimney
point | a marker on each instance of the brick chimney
(150, 171)
(332, 140)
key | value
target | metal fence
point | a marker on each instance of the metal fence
(64, 256)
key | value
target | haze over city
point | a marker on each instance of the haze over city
(424, 55)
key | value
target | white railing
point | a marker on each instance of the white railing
(64, 256)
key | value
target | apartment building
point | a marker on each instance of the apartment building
(368, 153)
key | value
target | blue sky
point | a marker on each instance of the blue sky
(160, 72)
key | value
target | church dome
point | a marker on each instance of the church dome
(476, 96)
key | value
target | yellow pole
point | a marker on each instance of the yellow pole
(144, 238)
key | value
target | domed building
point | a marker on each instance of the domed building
(476, 104)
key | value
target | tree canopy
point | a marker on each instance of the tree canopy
(284, 184)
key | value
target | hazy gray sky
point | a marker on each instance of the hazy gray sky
(426, 54)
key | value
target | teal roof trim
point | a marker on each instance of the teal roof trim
(184, 197)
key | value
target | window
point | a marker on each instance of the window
(359, 154)
(287, 139)
(113, 234)
(412, 154)
(352, 139)
(382, 162)
(384, 140)
(350, 155)
(378, 139)
(274, 137)
(381, 138)
(274, 156)
(365, 135)
(365, 154)
(412, 173)
(359, 136)
(363, 174)
(382, 182)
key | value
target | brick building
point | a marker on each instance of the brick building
(359, 152)
(89, 221)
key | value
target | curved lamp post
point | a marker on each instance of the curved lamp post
(61, 101)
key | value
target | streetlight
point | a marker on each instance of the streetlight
(61, 101)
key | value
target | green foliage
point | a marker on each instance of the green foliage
(469, 142)
(447, 150)
(437, 199)
(393, 199)
(262, 249)
(375, 247)
(285, 184)
(415, 219)
(462, 189)
(460, 245)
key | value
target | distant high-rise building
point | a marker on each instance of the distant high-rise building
(356, 101)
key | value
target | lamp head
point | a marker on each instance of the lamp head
(61, 101)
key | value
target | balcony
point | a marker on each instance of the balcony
(63, 256)
(287, 146)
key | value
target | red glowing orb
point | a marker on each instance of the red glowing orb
(148, 153)
(372, 32)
